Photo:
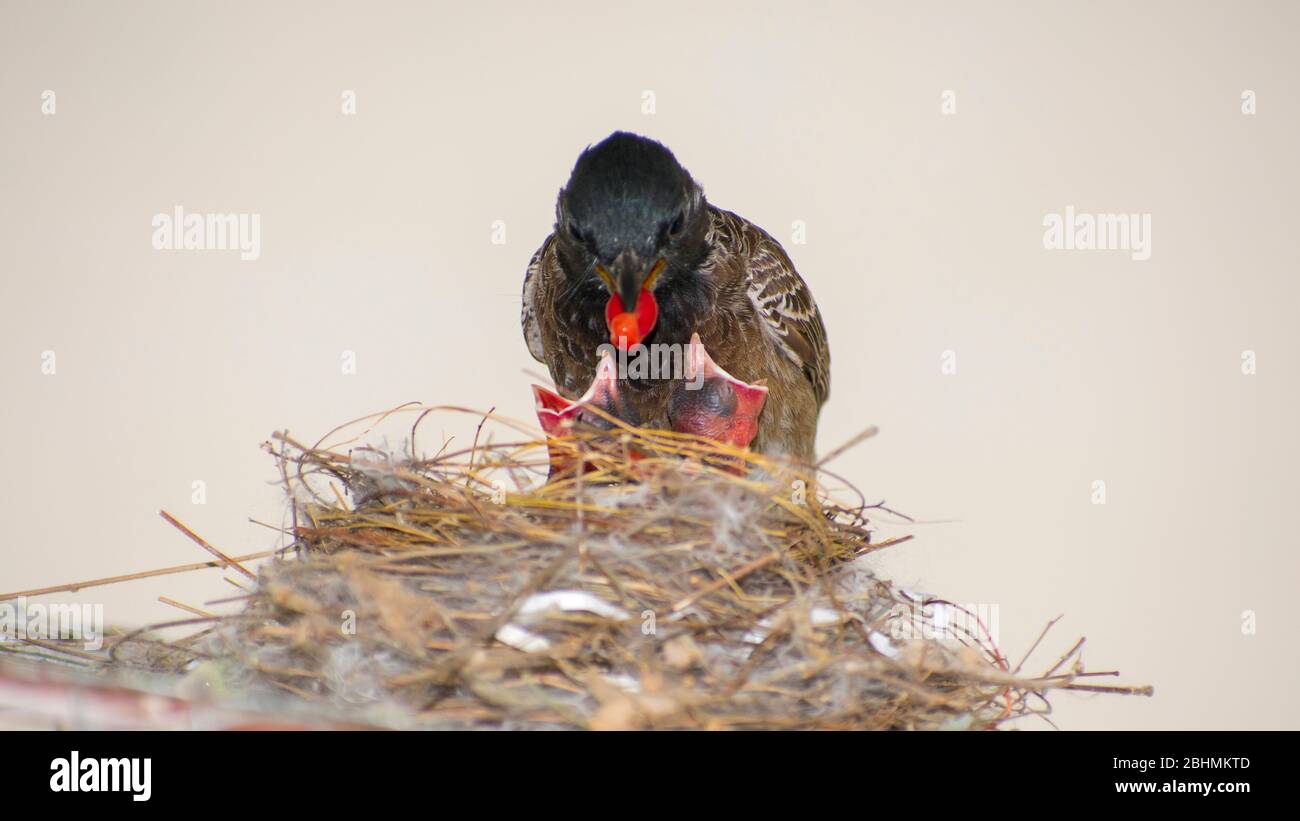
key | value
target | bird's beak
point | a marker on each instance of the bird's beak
(629, 288)
(629, 277)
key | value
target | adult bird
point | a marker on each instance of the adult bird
(639, 256)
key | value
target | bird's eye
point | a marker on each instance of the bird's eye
(678, 221)
(575, 232)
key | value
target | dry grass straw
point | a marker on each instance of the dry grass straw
(675, 583)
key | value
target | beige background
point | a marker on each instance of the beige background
(924, 234)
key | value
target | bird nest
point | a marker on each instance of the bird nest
(658, 581)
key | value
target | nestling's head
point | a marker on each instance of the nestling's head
(632, 222)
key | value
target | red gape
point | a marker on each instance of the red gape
(627, 328)
(712, 403)
(559, 416)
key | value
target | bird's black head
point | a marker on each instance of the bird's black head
(630, 217)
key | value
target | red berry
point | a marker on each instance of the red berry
(624, 331)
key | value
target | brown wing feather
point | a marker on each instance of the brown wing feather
(528, 313)
(782, 300)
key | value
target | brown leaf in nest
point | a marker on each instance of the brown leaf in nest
(406, 617)
(623, 710)
(682, 653)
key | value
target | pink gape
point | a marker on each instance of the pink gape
(558, 415)
(712, 403)
(707, 402)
